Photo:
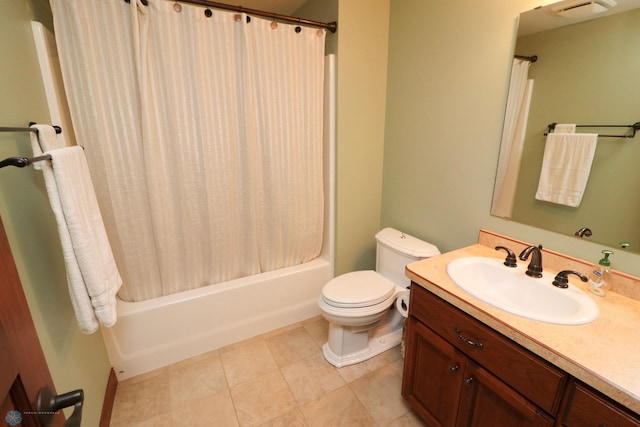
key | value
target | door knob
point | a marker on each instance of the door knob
(49, 404)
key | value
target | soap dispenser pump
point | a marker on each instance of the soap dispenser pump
(599, 275)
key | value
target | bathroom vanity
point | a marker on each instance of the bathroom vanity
(469, 363)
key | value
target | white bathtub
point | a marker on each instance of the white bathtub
(155, 333)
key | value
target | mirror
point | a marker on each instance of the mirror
(586, 73)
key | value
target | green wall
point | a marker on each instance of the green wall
(362, 75)
(75, 360)
(449, 65)
(361, 44)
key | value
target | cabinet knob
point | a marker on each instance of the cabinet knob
(454, 368)
(468, 381)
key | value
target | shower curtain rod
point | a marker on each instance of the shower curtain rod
(331, 26)
(531, 59)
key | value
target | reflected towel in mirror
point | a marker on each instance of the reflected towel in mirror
(564, 128)
(565, 167)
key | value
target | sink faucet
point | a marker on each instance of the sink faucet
(535, 266)
(583, 232)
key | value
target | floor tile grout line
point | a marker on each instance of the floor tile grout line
(226, 380)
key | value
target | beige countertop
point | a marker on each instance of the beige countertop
(604, 353)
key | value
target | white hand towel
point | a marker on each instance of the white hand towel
(42, 141)
(564, 128)
(92, 275)
(565, 167)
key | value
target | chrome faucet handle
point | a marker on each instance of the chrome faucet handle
(534, 269)
(561, 280)
(510, 260)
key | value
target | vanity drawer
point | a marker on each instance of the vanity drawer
(527, 373)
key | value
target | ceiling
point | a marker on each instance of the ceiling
(281, 7)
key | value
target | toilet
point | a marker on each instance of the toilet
(366, 309)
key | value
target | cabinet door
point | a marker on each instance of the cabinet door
(589, 408)
(486, 401)
(432, 375)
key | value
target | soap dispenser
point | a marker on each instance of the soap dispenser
(599, 275)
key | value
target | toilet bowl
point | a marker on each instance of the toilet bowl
(361, 305)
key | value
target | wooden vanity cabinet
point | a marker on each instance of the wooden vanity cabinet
(587, 407)
(459, 372)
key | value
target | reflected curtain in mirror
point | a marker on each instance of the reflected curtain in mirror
(515, 124)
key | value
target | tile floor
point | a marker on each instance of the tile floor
(276, 379)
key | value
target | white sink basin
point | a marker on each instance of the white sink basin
(510, 289)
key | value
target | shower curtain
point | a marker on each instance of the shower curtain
(203, 132)
(515, 125)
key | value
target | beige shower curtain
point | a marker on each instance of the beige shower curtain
(204, 137)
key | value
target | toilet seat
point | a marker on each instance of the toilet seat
(358, 289)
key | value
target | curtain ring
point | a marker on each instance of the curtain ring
(274, 25)
(177, 7)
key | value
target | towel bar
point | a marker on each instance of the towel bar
(15, 129)
(21, 162)
(635, 127)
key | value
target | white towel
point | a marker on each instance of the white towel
(42, 141)
(564, 128)
(565, 167)
(92, 275)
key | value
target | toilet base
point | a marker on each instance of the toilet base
(379, 339)
(376, 346)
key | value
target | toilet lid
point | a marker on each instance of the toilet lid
(358, 289)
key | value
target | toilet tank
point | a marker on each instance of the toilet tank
(395, 250)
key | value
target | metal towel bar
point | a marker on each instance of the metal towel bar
(635, 127)
(21, 162)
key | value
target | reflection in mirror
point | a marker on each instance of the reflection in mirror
(586, 74)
